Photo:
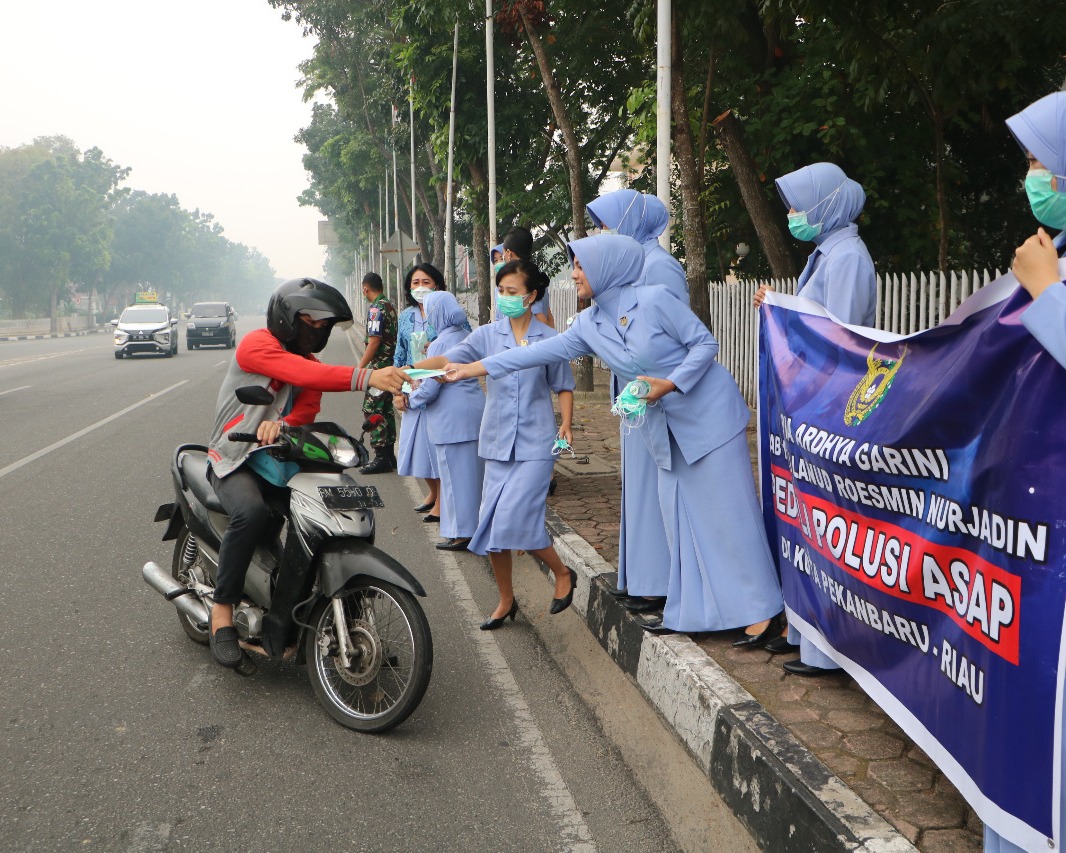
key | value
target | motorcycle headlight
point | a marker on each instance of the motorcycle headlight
(343, 451)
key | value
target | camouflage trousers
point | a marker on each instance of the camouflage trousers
(384, 434)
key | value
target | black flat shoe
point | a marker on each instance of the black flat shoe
(429, 519)
(656, 626)
(426, 507)
(617, 592)
(453, 545)
(558, 605)
(225, 648)
(797, 667)
(758, 641)
(644, 605)
(492, 624)
(781, 646)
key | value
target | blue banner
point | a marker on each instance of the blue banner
(913, 490)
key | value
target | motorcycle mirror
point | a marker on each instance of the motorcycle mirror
(253, 395)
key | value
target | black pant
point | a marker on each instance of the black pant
(247, 499)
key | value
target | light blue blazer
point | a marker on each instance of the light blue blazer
(661, 337)
(454, 410)
(1046, 317)
(519, 421)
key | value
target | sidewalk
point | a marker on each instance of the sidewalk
(807, 764)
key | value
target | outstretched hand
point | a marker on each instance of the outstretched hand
(454, 372)
(389, 379)
(1036, 263)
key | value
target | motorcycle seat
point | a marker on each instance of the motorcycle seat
(195, 467)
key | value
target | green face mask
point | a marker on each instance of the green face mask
(630, 404)
(1048, 206)
(511, 306)
(800, 228)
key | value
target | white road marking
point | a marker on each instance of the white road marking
(14, 466)
(13, 390)
(575, 833)
(28, 359)
(219, 364)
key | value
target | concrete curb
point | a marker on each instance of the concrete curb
(786, 797)
(49, 337)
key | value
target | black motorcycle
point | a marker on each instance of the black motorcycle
(318, 582)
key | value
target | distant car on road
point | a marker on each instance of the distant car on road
(213, 324)
(146, 328)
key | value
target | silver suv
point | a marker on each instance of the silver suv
(146, 328)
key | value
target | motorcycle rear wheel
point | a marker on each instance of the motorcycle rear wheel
(186, 573)
(392, 657)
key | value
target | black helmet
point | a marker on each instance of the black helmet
(309, 296)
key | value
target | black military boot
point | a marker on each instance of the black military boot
(383, 462)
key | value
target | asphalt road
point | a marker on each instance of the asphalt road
(119, 733)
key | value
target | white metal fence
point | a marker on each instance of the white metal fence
(906, 304)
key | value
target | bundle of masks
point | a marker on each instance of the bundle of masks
(631, 405)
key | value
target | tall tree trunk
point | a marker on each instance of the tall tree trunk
(583, 376)
(562, 120)
(688, 168)
(437, 218)
(479, 181)
(767, 221)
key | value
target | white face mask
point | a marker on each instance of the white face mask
(420, 293)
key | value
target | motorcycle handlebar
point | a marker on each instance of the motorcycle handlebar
(249, 437)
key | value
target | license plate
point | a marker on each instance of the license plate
(350, 497)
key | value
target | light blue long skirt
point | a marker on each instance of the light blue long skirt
(461, 474)
(809, 653)
(416, 456)
(643, 552)
(513, 501)
(722, 573)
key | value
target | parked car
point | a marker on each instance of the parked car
(146, 328)
(213, 324)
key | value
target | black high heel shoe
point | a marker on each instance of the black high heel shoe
(560, 604)
(492, 624)
(758, 641)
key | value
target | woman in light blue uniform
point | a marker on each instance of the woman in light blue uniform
(518, 433)
(643, 560)
(416, 456)
(1041, 131)
(453, 415)
(823, 205)
(722, 574)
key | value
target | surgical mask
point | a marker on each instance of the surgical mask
(631, 404)
(801, 229)
(511, 306)
(419, 293)
(560, 446)
(1049, 206)
(496, 267)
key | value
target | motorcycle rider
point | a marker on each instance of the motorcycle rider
(300, 315)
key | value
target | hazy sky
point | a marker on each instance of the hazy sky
(198, 97)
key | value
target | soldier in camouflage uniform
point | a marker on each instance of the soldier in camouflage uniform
(380, 348)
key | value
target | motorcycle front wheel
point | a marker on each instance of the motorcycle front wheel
(390, 656)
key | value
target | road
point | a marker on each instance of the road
(122, 734)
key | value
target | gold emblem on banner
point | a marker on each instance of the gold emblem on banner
(872, 388)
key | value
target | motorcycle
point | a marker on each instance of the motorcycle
(318, 580)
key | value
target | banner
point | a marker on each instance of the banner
(914, 489)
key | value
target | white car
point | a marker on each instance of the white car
(146, 328)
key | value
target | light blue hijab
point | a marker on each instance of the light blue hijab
(1041, 129)
(825, 193)
(638, 215)
(447, 317)
(610, 262)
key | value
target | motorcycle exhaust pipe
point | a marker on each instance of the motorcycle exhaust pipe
(160, 580)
